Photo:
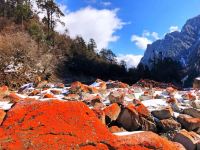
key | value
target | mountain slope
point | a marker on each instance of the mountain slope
(179, 46)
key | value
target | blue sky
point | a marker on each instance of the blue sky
(143, 21)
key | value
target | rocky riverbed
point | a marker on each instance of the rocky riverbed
(103, 115)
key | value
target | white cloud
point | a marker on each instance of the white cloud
(147, 38)
(89, 22)
(131, 60)
(173, 29)
(155, 35)
(106, 3)
(140, 41)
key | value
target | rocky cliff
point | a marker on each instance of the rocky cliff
(182, 46)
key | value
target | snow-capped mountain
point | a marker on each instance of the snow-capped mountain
(183, 46)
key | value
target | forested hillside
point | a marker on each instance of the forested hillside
(31, 47)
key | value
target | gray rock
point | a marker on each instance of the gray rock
(129, 119)
(163, 113)
(192, 112)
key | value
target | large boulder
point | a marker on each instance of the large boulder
(147, 125)
(163, 113)
(195, 104)
(77, 87)
(169, 125)
(148, 140)
(188, 139)
(141, 109)
(188, 122)
(4, 91)
(116, 97)
(192, 112)
(112, 112)
(129, 119)
(56, 124)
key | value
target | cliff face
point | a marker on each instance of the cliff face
(182, 46)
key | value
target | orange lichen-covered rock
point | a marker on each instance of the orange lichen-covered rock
(60, 85)
(188, 122)
(189, 96)
(117, 84)
(93, 90)
(56, 124)
(34, 92)
(141, 109)
(48, 95)
(4, 91)
(148, 140)
(56, 92)
(14, 97)
(2, 115)
(77, 87)
(112, 111)
(115, 129)
(116, 97)
(52, 125)
(188, 139)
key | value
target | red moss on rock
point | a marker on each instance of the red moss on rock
(14, 97)
(4, 91)
(34, 92)
(112, 111)
(48, 96)
(2, 115)
(66, 125)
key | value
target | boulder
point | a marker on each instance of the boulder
(192, 112)
(148, 140)
(195, 104)
(147, 125)
(42, 84)
(114, 129)
(163, 113)
(34, 92)
(129, 119)
(189, 96)
(78, 87)
(92, 100)
(14, 97)
(60, 85)
(58, 124)
(2, 115)
(189, 123)
(188, 139)
(116, 97)
(72, 97)
(3, 91)
(169, 125)
(116, 84)
(112, 111)
(141, 109)
(56, 92)
(48, 95)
